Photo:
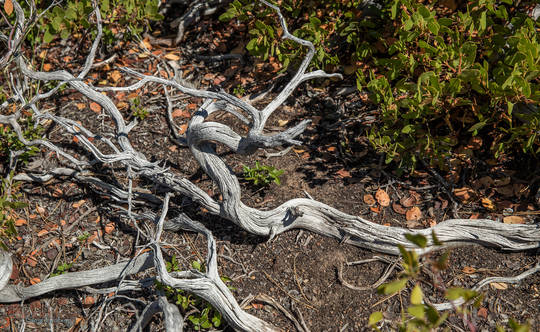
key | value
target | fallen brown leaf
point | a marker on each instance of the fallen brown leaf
(35, 280)
(513, 220)
(407, 201)
(464, 194)
(369, 200)
(483, 313)
(20, 222)
(382, 197)
(343, 173)
(488, 204)
(116, 76)
(413, 213)
(499, 285)
(469, 270)
(95, 107)
(398, 208)
(376, 209)
(172, 56)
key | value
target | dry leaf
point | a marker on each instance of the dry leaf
(95, 107)
(32, 261)
(408, 201)
(181, 113)
(20, 222)
(171, 56)
(331, 149)
(88, 301)
(482, 313)
(376, 209)
(382, 197)
(369, 200)
(499, 285)
(42, 232)
(109, 228)
(343, 173)
(8, 7)
(282, 123)
(413, 213)
(34, 281)
(47, 66)
(78, 204)
(182, 129)
(464, 194)
(469, 270)
(398, 208)
(116, 76)
(488, 204)
(257, 305)
(513, 220)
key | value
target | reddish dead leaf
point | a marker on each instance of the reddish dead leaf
(376, 209)
(343, 173)
(182, 129)
(116, 76)
(78, 204)
(14, 273)
(32, 261)
(192, 106)
(488, 204)
(469, 270)
(109, 228)
(34, 281)
(474, 216)
(464, 194)
(88, 301)
(20, 222)
(369, 200)
(181, 113)
(483, 313)
(408, 201)
(172, 57)
(42, 232)
(513, 220)
(432, 222)
(413, 213)
(382, 197)
(331, 149)
(47, 66)
(257, 306)
(398, 208)
(8, 7)
(95, 107)
(173, 148)
(75, 139)
(499, 285)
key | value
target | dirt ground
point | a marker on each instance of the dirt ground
(299, 269)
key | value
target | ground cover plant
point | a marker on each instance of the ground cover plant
(127, 156)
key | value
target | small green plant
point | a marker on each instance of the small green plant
(72, 17)
(206, 317)
(262, 175)
(239, 90)
(8, 203)
(137, 109)
(83, 237)
(420, 316)
(9, 141)
(61, 269)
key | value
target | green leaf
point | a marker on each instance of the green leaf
(394, 286)
(48, 36)
(417, 239)
(251, 44)
(477, 126)
(407, 129)
(375, 317)
(417, 311)
(196, 265)
(416, 295)
(483, 21)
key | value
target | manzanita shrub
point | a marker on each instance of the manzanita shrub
(72, 16)
(442, 74)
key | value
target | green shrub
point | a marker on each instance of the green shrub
(72, 17)
(8, 204)
(262, 175)
(440, 77)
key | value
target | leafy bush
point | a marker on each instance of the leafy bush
(441, 77)
(9, 141)
(262, 175)
(72, 17)
(419, 315)
(8, 203)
